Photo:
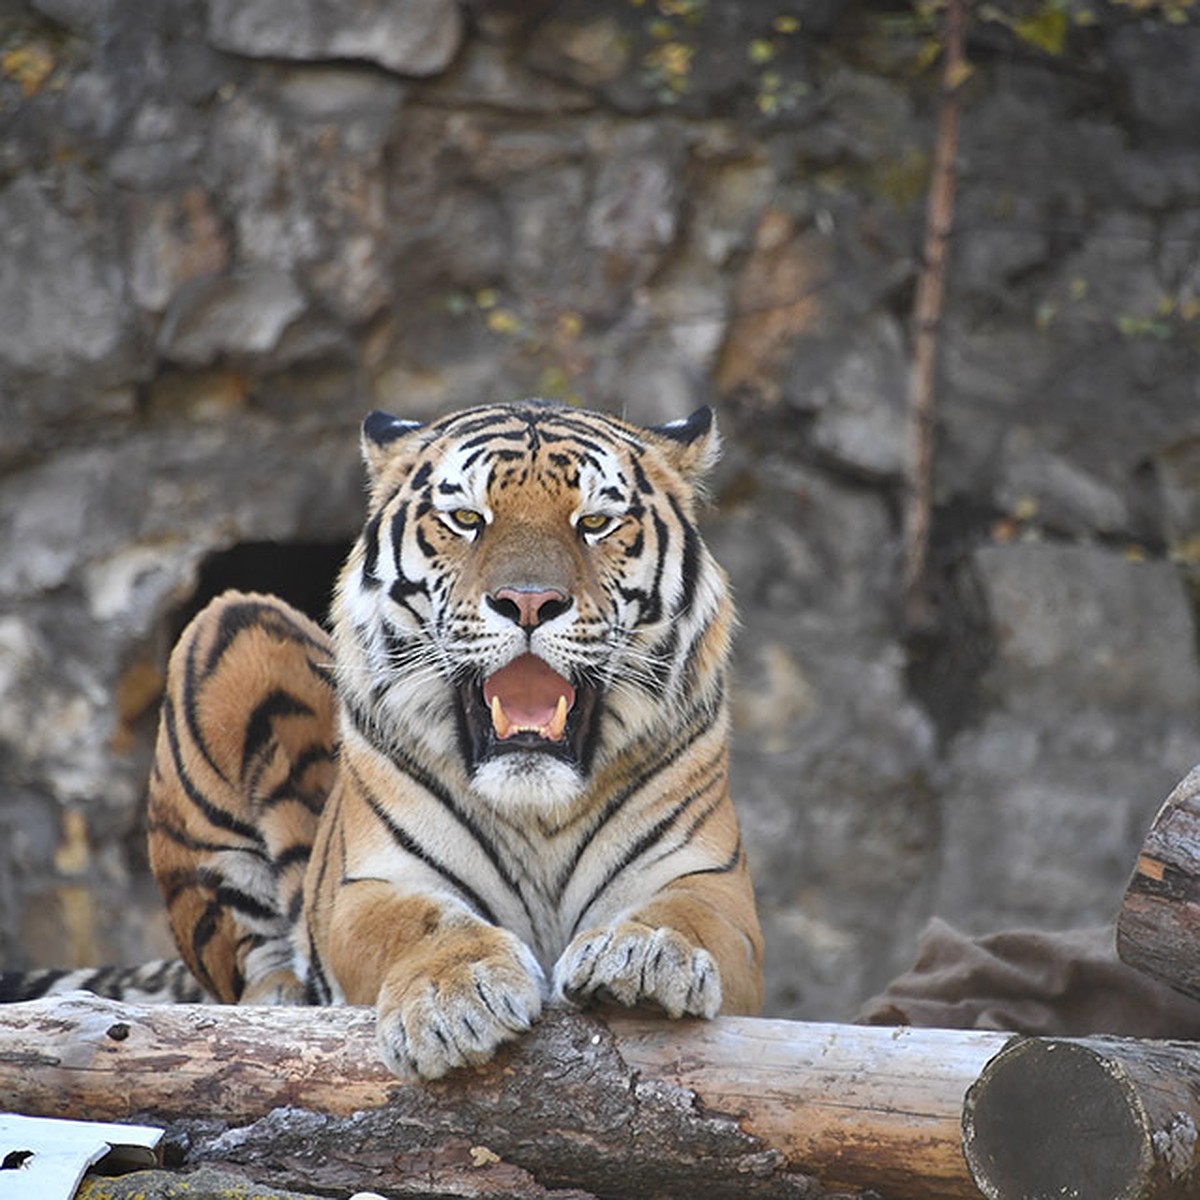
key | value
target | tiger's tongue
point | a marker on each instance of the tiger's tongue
(529, 694)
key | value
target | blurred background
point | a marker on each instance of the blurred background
(229, 229)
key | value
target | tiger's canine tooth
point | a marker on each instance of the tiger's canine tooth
(558, 722)
(500, 722)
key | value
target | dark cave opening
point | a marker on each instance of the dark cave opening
(302, 573)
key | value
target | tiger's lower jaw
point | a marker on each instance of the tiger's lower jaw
(500, 756)
(530, 781)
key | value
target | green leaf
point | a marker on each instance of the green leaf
(928, 53)
(1046, 29)
(760, 51)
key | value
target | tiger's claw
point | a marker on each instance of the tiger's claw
(429, 1025)
(634, 964)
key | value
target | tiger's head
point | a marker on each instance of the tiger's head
(529, 598)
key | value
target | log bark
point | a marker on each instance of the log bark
(1158, 928)
(1092, 1118)
(613, 1105)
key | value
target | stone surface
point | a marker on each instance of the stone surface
(411, 37)
(1083, 621)
(205, 1183)
(229, 315)
(227, 231)
(861, 421)
(61, 301)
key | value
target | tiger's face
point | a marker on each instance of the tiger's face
(529, 596)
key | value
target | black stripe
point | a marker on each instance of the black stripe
(720, 868)
(191, 687)
(411, 846)
(426, 547)
(20, 985)
(403, 588)
(399, 521)
(299, 852)
(494, 435)
(639, 476)
(690, 675)
(664, 660)
(620, 799)
(580, 438)
(243, 903)
(652, 611)
(317, 991)
(632, 595)
(596, 425)
(394, 645)
(589, 433)
(408, 767)
(690, 570)
(173, 884)
(317, 982)
(181, 838)
(414, 771)
(462, 424)
(290, 789)
(216, 816)
(700, 818)
(639, 847)
(370, 577)
(234, 620)
(202, 933)
(272, 619)
(260, 728)
(720, 781)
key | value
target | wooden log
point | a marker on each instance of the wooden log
(615, 1105)
(1091, 1118)
(1158, 928)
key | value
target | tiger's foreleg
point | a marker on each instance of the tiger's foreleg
(694, 949)
(243, 765)
(448, 987)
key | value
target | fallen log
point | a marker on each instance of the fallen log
(1094, 1118)
(614, 1105)
(1158, 928)
(624, 1105)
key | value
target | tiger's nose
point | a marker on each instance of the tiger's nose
(529, 607)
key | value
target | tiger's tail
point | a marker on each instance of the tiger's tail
(163, 981)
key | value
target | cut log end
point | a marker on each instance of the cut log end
(1086, 1119)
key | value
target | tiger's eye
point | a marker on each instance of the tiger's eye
(594, 522)
(467, 518)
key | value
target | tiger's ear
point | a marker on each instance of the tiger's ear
(380, 432)
(691, 445)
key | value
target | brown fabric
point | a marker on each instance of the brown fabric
(1030, 982)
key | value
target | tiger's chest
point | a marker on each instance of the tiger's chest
(543, 878)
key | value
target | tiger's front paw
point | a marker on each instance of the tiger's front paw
(634, 963)
(457, 1012)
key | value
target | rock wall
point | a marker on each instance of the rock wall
(229, 229)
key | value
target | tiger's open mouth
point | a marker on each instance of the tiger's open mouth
(527, 705)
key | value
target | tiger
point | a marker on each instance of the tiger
(501, 781)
